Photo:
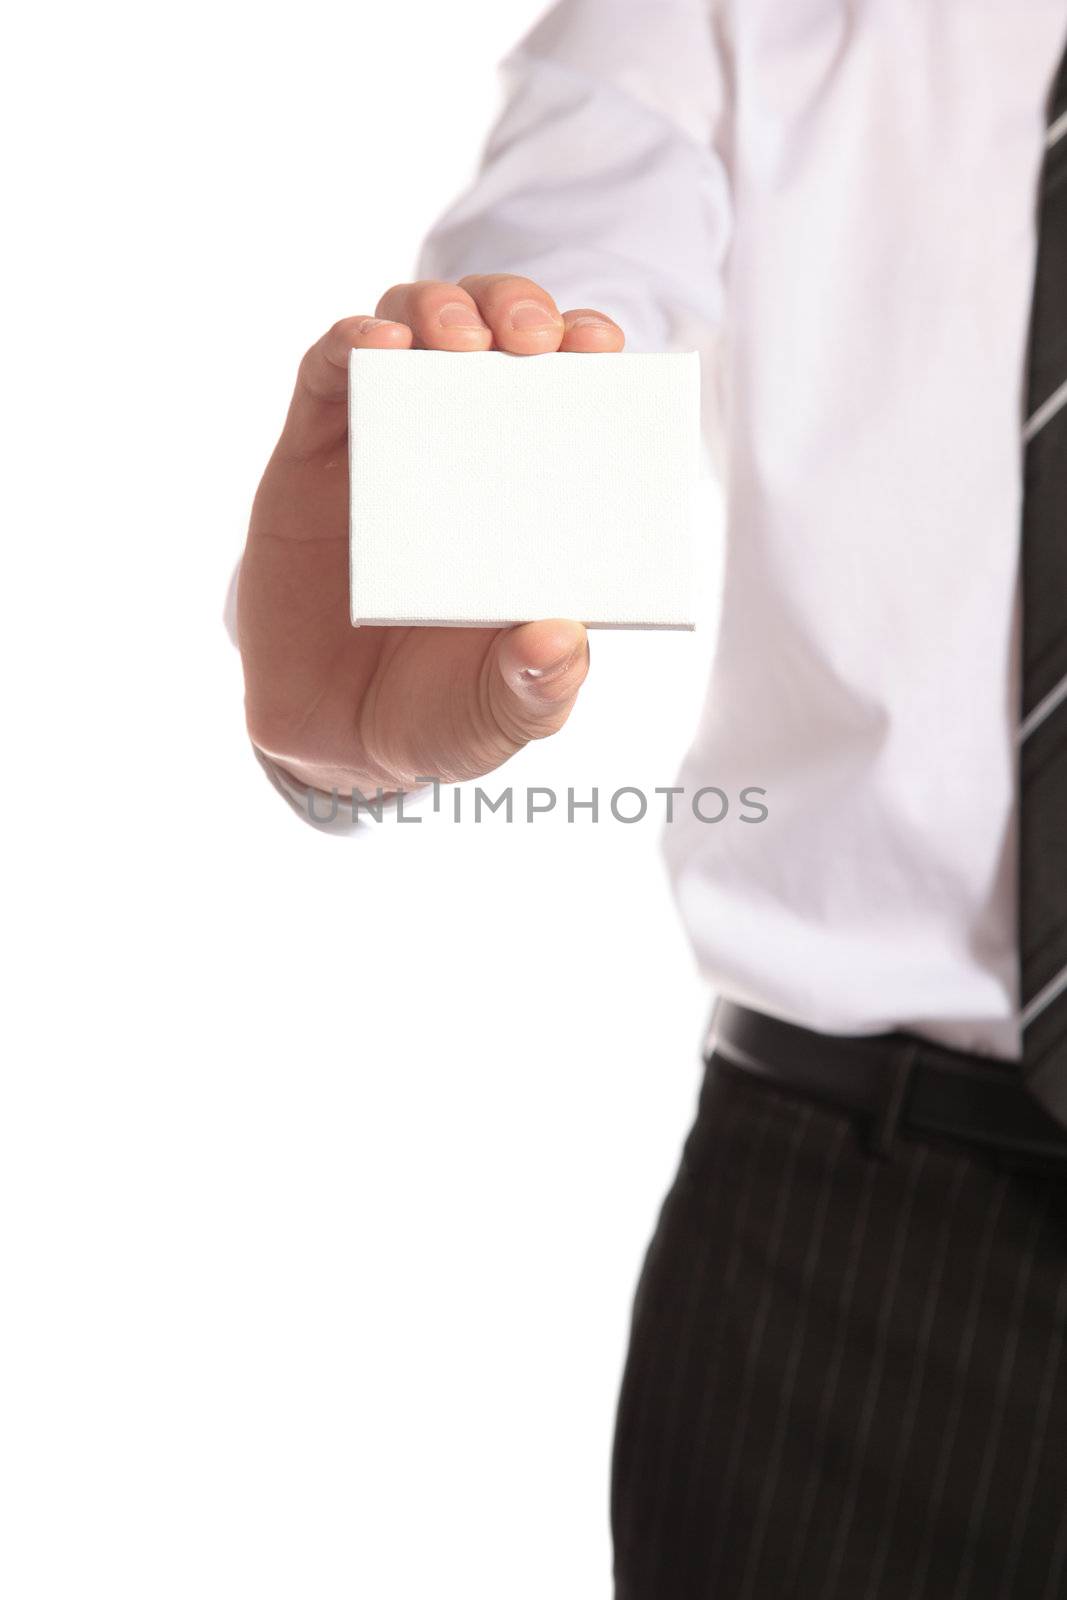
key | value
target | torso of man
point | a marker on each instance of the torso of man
(885, 167)
(837, 200)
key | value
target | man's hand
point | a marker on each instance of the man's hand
(343, 707)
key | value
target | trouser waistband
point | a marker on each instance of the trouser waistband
(898, 1083)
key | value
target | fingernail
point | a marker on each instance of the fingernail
(529, 316)
(591, 322)
(457, 315)
(368, 323)
(536, 676)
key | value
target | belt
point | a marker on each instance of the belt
(898, 1083)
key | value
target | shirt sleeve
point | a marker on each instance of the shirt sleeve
(604, 177)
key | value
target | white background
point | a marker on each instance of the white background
(326, 1166)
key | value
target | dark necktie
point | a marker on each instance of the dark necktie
(1043, 729)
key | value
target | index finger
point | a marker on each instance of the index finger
(317, 419)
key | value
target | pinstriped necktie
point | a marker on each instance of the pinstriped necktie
(1043, 729)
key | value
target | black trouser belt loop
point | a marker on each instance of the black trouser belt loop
(890, 1117)
(899, 1084)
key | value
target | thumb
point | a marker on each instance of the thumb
(534, 674)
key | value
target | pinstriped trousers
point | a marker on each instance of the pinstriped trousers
(847, 1372)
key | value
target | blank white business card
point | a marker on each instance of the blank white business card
(490, 489)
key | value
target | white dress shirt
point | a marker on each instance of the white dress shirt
(834, 200)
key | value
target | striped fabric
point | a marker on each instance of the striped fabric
(847, 1373)
(1043, 729)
